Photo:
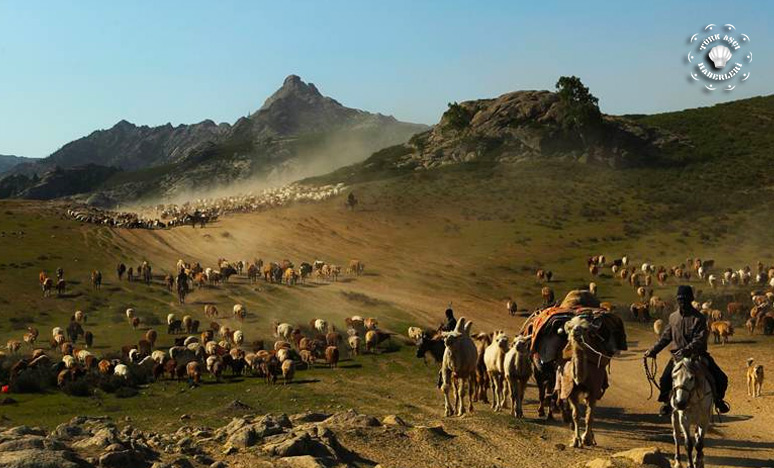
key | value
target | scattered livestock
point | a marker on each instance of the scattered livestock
(754, 378)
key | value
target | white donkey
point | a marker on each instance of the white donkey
(691, 400)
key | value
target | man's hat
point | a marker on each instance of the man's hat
(685, 292)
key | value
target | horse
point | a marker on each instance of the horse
(691, 400)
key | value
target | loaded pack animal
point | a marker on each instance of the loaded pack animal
(593, 339)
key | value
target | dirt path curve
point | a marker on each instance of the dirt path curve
(627, 419)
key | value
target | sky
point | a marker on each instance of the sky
(69, 68)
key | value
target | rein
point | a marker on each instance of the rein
(650, 373)
(599, 355)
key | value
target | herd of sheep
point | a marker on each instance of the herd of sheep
(204, 210)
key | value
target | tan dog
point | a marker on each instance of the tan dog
(754, 379)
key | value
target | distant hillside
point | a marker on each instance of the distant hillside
(297, 132)
(730, 142)
(7, 162)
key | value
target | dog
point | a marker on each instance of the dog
(754, 379)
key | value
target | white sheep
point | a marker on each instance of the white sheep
(134, 355)
(170, 318)
(190, 339)
(238, 337)
(82, 354)
(415, 333)
(121, 370)
(283, 355)
(129, 314)
(56, 331)
(593, 288)
(240, 311)
(321, 326)
(80, 317)
(354, 344)
(69, 361)
(159, 356)
(284, 331)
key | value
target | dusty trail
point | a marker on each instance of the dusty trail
(408, 276)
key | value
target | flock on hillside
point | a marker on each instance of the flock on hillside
(67, 357)
(205, 210)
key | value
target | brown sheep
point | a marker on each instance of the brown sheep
(734, 308)
(210, 311)
(288, 370)
(547, 294)
(332, 356)
(333, 339)
(151, 336)
(640, 311)
(307, 357)
(135, 322)
(105, 367)
(373, 338)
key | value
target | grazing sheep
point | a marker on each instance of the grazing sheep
(135, 322)
(13, 346)
(371, 323)
(494, 355)
(56, 331)
(187, 321)
(754, 379)
(373, 338)
(320, 325)
(280, 344)
(547, 294)
(210, 311)
(238, 337)
(414, 333)
(283, 354)
(129, 314)
(189, 340)
(159, 356)
(658, 327)
(332, 356)
(121, 370)
(175, 326)
(68, 361)
(593, 288)
(288, 370)
(283, 330)
(307, 357)
(354, 345)
(151, 335)
(518, 370)
(240, 312)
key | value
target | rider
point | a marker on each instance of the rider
(451, 322)
(687, 331)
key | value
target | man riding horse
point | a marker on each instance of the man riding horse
(687, 331)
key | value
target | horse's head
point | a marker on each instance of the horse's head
(684, 381)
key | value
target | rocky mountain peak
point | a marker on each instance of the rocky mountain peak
(294, 89)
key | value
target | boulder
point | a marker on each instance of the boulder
(244, 437)
(34, 458)
(599, 463)
(351, 418)
(303, 461)
(309, 417)
(645, 456)
(393, 420)
(101, 439)
(298, 444)
(30, 442)
(122, 459)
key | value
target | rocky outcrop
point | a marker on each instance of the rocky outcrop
(7, 162)
(641, 457)
(533, 124)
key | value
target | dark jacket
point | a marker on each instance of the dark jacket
(450, 325)
(687, 333)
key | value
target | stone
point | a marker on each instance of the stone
(244, 437)
(30, 442)
(24, 430)
(599, 463)
(309, 417)
(292, 445)
(181, 462)
(645, 456)
(219, 464)
(101, 439)
(122, 459)
(393, 420)
(67, 431)
(351, 418)
(34, 458)
(303, 461)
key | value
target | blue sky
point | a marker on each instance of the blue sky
(69, 68)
